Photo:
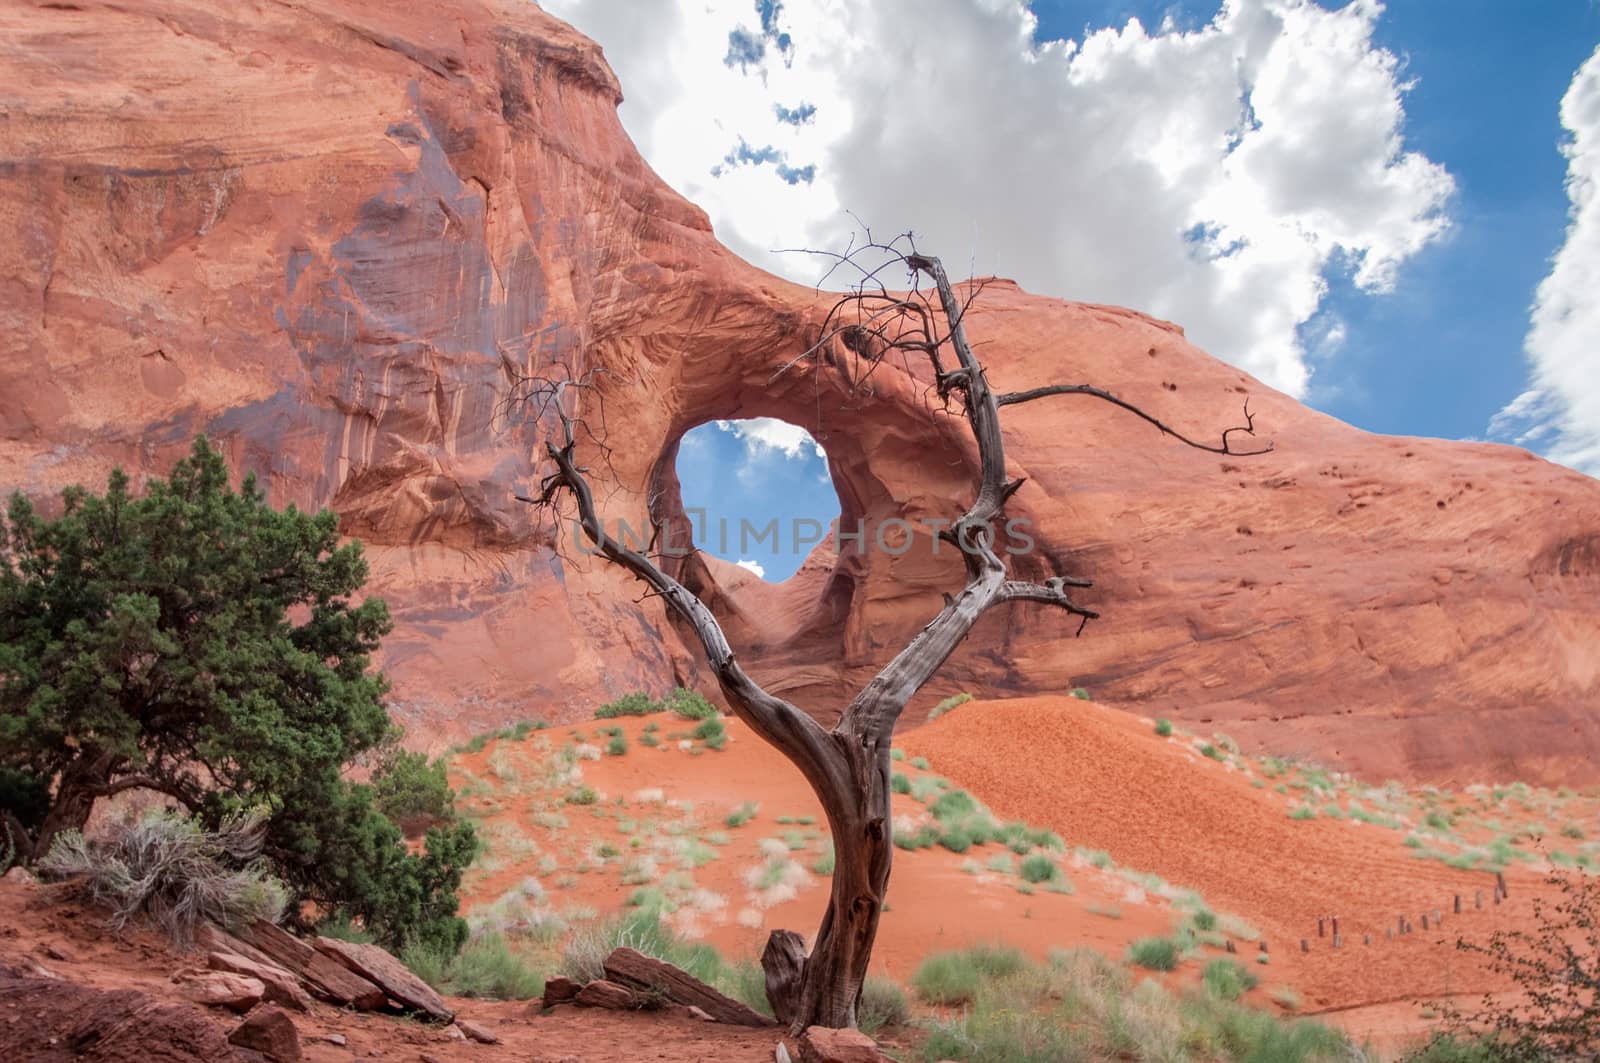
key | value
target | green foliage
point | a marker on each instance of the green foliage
(649, 740)
(742, 815)
(1080, 693)
(954, 977)
(1211, 751)
(584, 958)
(582, 795)
(952, 806)
(637, 703)
(690, 705)
(1555, 966)
(413, 792)
(899, 783)
(949, 703)
(1163, 727)
(1204, 919)
(617, 746)
(712, 732)
(198, 642)
(825, 863)
(920, 763)
(1227, 980)
(1039, 868)
(1156, 954)
(882, 1005)
(485, 968)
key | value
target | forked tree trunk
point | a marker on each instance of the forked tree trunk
(822, 989)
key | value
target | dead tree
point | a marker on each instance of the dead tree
(848, 766)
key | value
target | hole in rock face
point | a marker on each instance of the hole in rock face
(756, 493)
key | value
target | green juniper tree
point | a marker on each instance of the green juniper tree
(196, 642)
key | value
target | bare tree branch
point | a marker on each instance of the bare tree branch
(1248, 428)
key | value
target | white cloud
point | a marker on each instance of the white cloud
(1559, 414)
(753, 566)
(1209, 176)
(768, 436)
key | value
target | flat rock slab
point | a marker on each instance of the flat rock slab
(326, 977)
(281, 986)
(270, 1031)
(377, 966)
(646, 974)
(559, 990)
(222, 989)
(819, 1044)
(481, 1034)
(603, 994)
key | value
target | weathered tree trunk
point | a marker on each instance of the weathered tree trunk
(830, 978)
(74, 799)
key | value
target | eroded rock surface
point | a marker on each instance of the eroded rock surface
(331, 234)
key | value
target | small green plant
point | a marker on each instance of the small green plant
(897, 754)
(1080, 693)
(1211, 751)
(1227, 979)
(582, 795)
(742, 815)
(690, 705)
(485, 968)
(825, 863)
(1204, 919)
(649, 740)
(920, 763)
(1155, 954)
(637, 703)
(1039, 868)
(954, 701)
(617, 746)
(882, 1005)
(712, 732)
(949, 978)
(1164, 727)
(899, 783)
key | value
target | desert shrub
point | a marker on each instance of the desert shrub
(583, 959)
(1211, 751)
(172, 870)
(883, 1004)
(953, 805)
(1039, 868)
(921, 838)
(617, 746)
(486, 968)
(954, 977)
(1204, 919)
(825, 863)
(746, 982)
(946, 978)
(690, 705)
(1227, 980)
(1556, 966)
(954, 701)
(920, 763)
(1573, 831)
(1156, 954)
(1163, 727)
(1080, 693)
(340, 928)
(649, 740)
(742, 815)
(957, 839)
(637, 703)
(899, 783)
(1453, 1048)
(582, 795)
(413, 792)
(712, 732)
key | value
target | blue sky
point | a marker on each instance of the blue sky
(1412, 262)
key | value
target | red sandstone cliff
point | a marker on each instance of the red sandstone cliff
(323, 232)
